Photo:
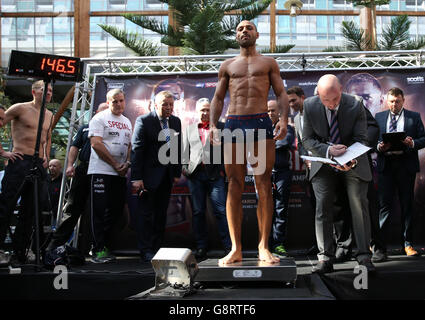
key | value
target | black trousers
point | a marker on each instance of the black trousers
(107, 203)
(14, 178)
(152, 217)
(77, 199)
(396, 178)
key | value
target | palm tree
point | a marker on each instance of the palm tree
(369, 9)
(203, 26)
(394, 37)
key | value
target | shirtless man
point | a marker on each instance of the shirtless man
(248, 78)
(24, 118)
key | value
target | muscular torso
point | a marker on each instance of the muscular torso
(248, 84)
(24, 126)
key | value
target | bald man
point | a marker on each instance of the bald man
(54, 184)
(248, 77)
(333, 121)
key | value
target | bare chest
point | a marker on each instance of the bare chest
(29, 119)
(246, 69)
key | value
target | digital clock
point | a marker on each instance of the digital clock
(45, 66)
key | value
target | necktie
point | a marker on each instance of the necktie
(393, 124)
(166, 130)
(333, 129)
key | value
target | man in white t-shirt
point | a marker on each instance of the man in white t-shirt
(110, 138)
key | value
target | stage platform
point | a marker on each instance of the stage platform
(399, 278)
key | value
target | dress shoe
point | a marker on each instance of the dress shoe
(379, 256)
(323, 266)
(201, 254)
(410, 252)
(342, 255)
(369, 265)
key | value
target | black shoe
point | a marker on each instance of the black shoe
(323, 266)
(379, 256)
(201, 254)
(342, 255)
(369, 265)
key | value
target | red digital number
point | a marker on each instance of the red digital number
(60, 67)
(42, 63)
(71, 66)
(51, 63)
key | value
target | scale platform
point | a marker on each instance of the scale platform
(249, 269)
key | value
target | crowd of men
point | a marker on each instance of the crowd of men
(158, 151)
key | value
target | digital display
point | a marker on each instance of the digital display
(45, 66)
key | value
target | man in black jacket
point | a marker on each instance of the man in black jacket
(155, 167)
(281, 181)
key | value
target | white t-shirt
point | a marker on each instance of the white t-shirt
(116, 135)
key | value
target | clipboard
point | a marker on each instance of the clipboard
(396, 140)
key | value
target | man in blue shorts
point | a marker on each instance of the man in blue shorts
(248, 78)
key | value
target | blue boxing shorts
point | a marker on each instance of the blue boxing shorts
(254, 123)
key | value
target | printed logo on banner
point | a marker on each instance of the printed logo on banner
(415, 80)
(115, 85)
(206, 85)
(308, 83)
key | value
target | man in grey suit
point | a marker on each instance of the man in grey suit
(332, 121)
(203, 166)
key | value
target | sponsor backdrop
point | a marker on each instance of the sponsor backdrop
(188, 88)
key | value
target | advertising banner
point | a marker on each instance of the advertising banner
(371, 85)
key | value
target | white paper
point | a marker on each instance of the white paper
(354, 151)
(318, 159)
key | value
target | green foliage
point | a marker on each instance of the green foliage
(204, 27)
(394, 37)
(279, 49)
(133, 41)
(369, 3)
(333, 49)
(355, 38)
(396, 34)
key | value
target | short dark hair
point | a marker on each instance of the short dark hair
(395, 92)
(297, 90)
(362, 77)
(3, 108)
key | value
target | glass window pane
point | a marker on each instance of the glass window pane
(44, 35)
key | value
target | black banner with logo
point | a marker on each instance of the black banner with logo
(372, 85)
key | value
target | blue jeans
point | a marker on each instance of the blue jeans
(282, 180)
(200, 187)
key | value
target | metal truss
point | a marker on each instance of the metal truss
(323, 61)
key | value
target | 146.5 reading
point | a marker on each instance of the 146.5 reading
(58, 65)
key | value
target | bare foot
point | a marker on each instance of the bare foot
(267, 256)
(233, 256)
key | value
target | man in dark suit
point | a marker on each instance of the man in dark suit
(205, 178)
(155, 168)
(332, 121)
(397, 166)
(281, 182)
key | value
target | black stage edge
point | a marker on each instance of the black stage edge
(399, 278)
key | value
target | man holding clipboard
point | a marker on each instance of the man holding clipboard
(334, 120)
(402, 135)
